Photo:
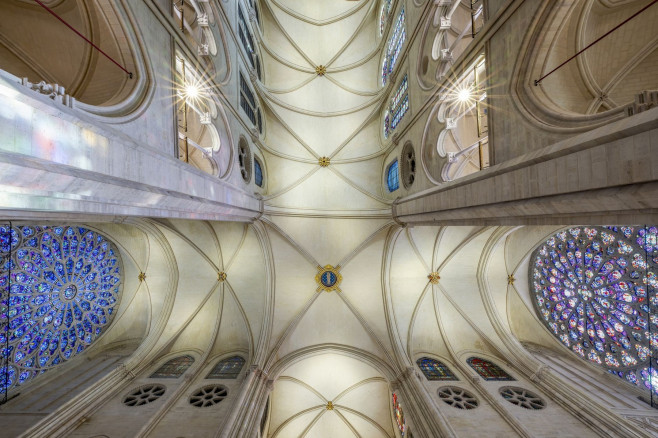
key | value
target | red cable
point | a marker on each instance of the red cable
(85, 38)
(596, 41)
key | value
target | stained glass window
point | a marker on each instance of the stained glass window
(398, 107)
(227, 368)
(174, 368)
(247, 100)
(435, 370)
(393, 176)
(394, 47)
(383, 16)
(595, 290)
(399, 415)
(488, 370)
(258, 173)
(245, 37)
(60, 287)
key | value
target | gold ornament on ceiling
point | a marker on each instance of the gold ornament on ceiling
(330, 406)
(221, 276)
(141, 276)
(434, 277)
(320, 70)
(510, 279)
(324, 161)
(328, 278)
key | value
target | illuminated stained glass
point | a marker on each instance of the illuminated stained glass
(64, 286)
(595, 288)
(393, 176)
(488, 370)
(174, 368)
(227, 368)
(394, 47)
(383, 16)
(399, 415)
(435, 370)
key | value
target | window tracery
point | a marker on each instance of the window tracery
(488, 370)
(174, 368)
(398, 107)
(244, 159)
(60, 288)
(595, 289)
(394, 47)
(408, 167)
(434, 369)
(458, 398)
(248, 103)
(228, 368)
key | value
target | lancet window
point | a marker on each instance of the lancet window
(394, 47)
(435, 370)
(488, 370)
(393, 176)
(173, 368)
(398, 107)
(228, 368)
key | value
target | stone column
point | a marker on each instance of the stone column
(244, 420)
(419, 408)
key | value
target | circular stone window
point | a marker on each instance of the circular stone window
(590, 287)
(208, 396)
(244, 159)
(522, 397)
(144, 395)
(458, 397)
(65, 285)
(408, 165)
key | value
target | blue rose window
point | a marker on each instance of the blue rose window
(64, 286)
(595, 289)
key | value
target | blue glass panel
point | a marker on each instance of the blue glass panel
(227, 368)
(53, 315)
(393, 177)
(435, 370)
(258, 173)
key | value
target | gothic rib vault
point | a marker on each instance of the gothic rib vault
(320, 362)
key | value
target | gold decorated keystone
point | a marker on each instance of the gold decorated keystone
(510, 279)
(434, 277)
(330, 406)
(324, 161)
(141, 276)
(320, 70)
(221, 276)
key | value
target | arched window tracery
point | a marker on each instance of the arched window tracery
(435, 370)
(488, 370)
(60, 288)
(228, 368)
(595, 289)
(258, 172)
(394, 47)
(173, 368)
(398, 107)
(198, 138)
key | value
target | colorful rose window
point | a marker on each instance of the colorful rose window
(595, 289)
(60, 287)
